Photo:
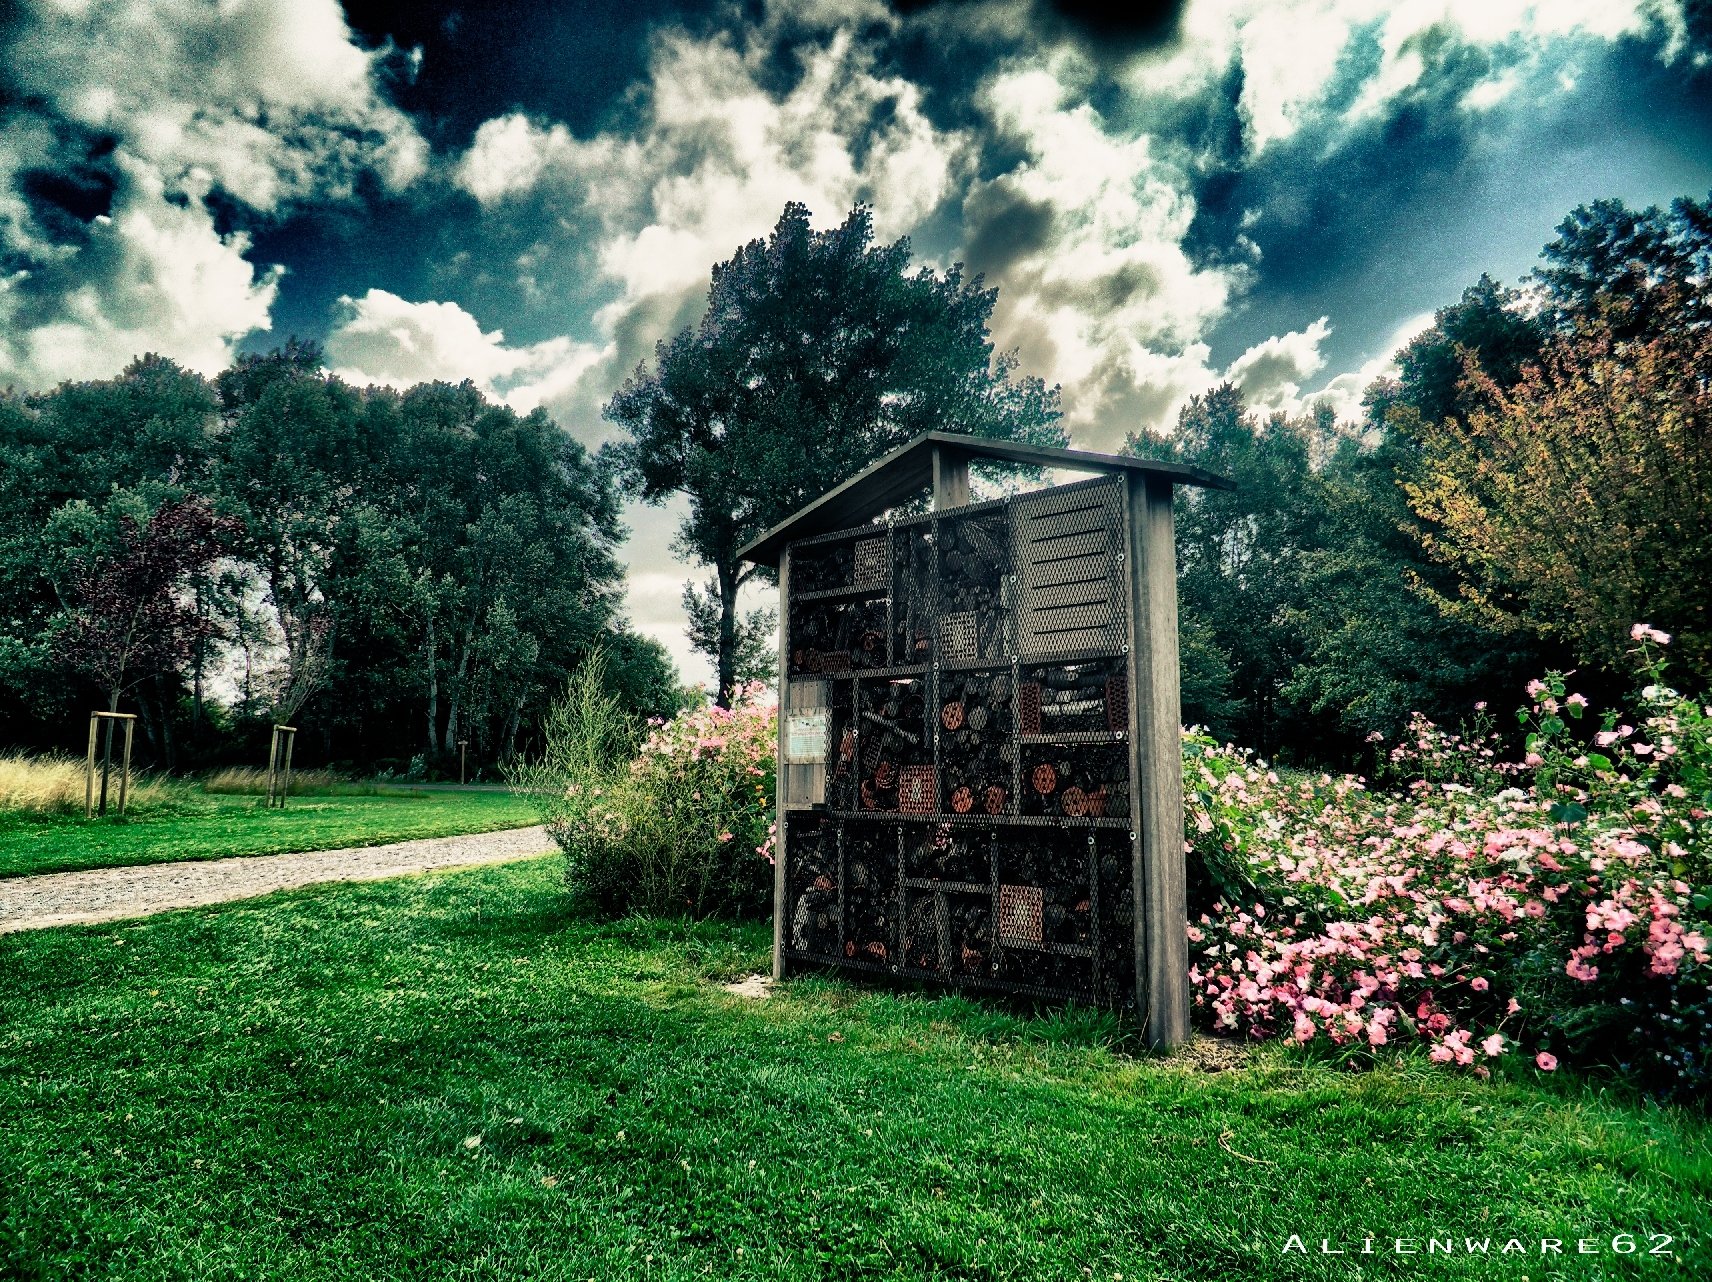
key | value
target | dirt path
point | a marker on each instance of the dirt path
(110, 894)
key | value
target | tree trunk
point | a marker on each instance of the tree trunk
(727, 633)
(508, 742)
(460, 683)
(168, 757)
(433, 693)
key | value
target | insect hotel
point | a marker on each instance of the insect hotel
(980, 778)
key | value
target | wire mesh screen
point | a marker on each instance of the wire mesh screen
(976, 825)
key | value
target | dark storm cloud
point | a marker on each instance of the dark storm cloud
(1003, 226)
(1103, 29)
(571, 61)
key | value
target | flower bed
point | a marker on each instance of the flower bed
(1555, 908)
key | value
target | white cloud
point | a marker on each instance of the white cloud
(1099, 294)
(382, 338)
(154, 276)
(508, 156)
(1293, 57)
(270, 103)
(1270, 374)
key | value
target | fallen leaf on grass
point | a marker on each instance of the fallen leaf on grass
(472, 1141)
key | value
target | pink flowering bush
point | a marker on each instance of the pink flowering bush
(1554, 909)
(679, 825)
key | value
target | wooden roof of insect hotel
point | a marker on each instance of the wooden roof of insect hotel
(901, 475)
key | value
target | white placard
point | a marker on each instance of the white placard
(805, 735)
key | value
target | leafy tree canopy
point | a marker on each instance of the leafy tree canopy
(819, 352)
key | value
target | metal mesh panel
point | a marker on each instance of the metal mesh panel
(977, 742)
(870, 893)
(1069, 555)
(976, 828)
(892, 743)
(974, 585)
(811, 884)
(912, 593)
(1075, 781)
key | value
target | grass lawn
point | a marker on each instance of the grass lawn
(204, 826)
(454, 1076)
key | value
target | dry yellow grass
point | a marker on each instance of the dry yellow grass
(252, 782)
(54, 786)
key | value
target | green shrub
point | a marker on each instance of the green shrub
(673, 817)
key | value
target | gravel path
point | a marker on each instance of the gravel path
(109, 894)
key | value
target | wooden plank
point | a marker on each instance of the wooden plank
(780, 782)
(950, 477)
(1156, 756)
(907, 471)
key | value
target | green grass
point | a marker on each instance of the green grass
(201, 826)
(457, 1077)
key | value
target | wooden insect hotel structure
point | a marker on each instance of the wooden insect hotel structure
(980, 772)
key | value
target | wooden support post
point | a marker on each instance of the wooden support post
(125, 774)
(290, 745)
(89, 771)
(273, 764)
(1156, 748)
(781, 820)
(463, 746)
(106, 764)
(950, 478)
(101, 728)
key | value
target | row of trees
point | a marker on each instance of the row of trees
(410, 568)
(1536, 479)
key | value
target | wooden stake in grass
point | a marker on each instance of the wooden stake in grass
(463, 744)
(96, 720)
(279, 765)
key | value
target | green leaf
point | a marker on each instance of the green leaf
(1567, 812)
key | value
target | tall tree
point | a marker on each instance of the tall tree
(294, 467)
(1658, 261)
(128, 615)
(819, 352)
(1490, 323)
(1240, 557)
(1582, 502)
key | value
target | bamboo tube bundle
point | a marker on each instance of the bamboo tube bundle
(975, 741)
(836, 636)
(871, 896)
(1075, 781)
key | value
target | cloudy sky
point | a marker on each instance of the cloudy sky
(531, 194)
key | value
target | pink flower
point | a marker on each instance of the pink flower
(725, 836)
(1546, 1060)
(1493, 1045)
(1479, 984)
